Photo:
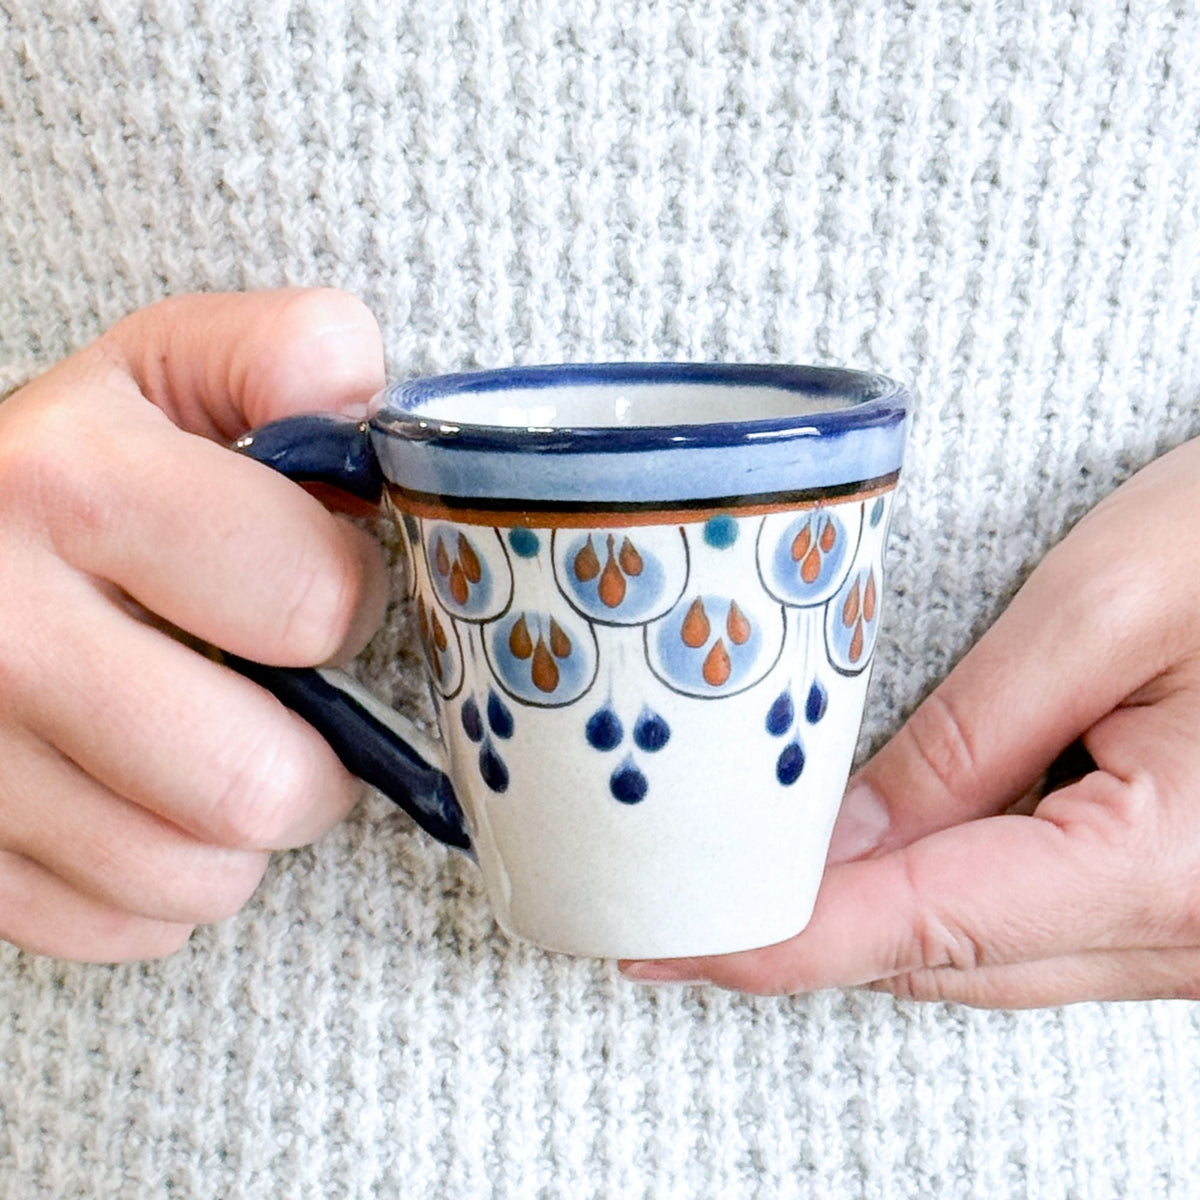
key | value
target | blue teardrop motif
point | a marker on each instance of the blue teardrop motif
(790, 764)
(472, 723)
(628, 784)
(499, 718)
(492, 768)
(651, 732)
(779, 717)
(877, 512)
(604, 729)
(817, 702)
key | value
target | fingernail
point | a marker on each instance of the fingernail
(666, 970)
(861, 825)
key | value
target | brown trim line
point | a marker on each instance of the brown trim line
(583, 514)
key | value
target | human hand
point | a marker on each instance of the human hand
(943, 884)
(141, 783)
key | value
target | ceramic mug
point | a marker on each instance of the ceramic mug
(648, 596)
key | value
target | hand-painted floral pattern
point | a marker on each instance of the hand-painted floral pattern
(621, 576)
(803, 558)
(469, 569)
(709, 608)
(542, 658)
(711, 645)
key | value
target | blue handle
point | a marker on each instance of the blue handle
(319, 448)
(338, 452)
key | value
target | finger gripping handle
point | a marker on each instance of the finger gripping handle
(378, 745)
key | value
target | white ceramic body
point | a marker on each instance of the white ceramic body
(725, 846)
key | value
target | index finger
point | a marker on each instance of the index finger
(212, 542)
(219, 364)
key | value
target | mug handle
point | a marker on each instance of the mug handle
(380, 746)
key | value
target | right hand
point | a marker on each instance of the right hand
(142, 784)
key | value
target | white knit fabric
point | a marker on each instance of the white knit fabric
(996, 202)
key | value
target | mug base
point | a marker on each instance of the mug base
(662, 942)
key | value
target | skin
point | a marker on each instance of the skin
(143, 784)
(952, 879)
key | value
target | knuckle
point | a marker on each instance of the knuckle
(38, 459)
(263, 794)
(1121, 608)
(168, 939)
(942, 741)
(943, 943)
(1182, 986)
(937, 939)
(126, 937)
(231, 878)
(61, 476)
(322, 603)
(1174, 924)
(921, 986)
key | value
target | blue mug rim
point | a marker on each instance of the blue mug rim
(881, 403)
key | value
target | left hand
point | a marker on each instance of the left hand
(943, 883)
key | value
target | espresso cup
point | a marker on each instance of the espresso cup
(648, 596)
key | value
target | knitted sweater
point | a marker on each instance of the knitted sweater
(997, 203)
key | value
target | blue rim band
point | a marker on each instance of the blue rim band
(425, 450)
(871, 401)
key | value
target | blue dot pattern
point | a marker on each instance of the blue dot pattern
(628, 784)
(472, 723)
(524, 542)
(604, 730)
(790, 764)
(720, 532)
(499, 718)
(780, 715)
(492, 768)
(651, 732)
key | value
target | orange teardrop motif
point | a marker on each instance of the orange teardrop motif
(544, 672)
(630, 559)
(519, 641)
(560, 644)
(460, 590)
(810, 568)
(737, 625)
(439, 634)
(695, 628)
(441, 560)
(800, 543)
(717, 665)
(850, 608)
(856, 643)
(828, 536)
(869, 598)
(469, 559)
(612, 582)
(587, 565)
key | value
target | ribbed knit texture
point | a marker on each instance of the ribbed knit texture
(995, 202)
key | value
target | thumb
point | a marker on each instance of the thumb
(1066, 652)
(219, 364)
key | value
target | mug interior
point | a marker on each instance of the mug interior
(635, 395)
